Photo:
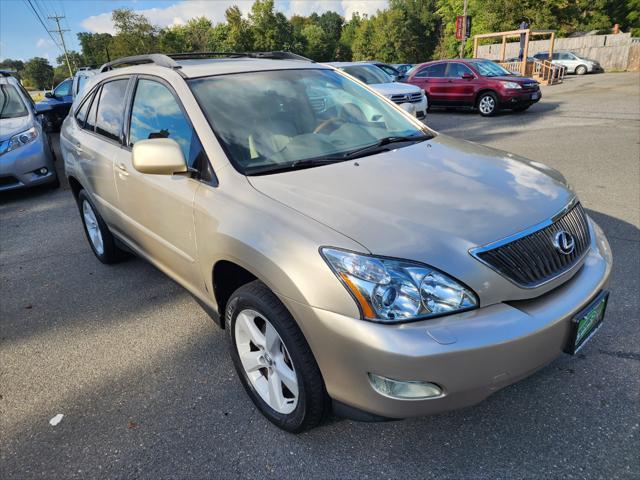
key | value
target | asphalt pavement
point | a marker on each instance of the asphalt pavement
(146, 388)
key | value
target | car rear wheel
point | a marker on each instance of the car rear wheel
(98, 235)
(488, 104)
(581, 70)
(273, 360)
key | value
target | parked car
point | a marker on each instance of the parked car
(390, 70)
(372, 266)
(572, 61)
(61, 97)
(474, 83)
(403, 68)
(26, 158)
(400, 93)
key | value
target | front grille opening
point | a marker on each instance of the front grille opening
(533, 260)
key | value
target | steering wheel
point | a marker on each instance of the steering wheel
(349, 112)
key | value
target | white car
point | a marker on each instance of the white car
(412, 98)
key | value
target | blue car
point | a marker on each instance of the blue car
(59, 100)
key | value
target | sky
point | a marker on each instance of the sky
(22, 36)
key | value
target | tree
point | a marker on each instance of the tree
(271, 30)
(75, 59)
(239, 35)
(16, 66)
(38, 73)
(134, 34)
(198, 35)
(96, 48)
(315, 46)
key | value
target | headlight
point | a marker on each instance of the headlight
(389, 290)
(18, 140)
(513, 85)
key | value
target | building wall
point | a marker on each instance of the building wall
(612, 51)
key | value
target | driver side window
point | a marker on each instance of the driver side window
(64, 89)
(156, 113)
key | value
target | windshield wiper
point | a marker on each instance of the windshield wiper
(382, 143)
(295, 165)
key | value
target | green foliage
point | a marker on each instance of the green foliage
(38, 73)
(16, 66)
(407, 31)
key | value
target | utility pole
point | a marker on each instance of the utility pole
(464, 29)
(60, 32)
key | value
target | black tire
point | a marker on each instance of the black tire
(491, 99)
(313, 402)
(110, 252)
(581, 70)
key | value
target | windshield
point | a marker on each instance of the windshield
(267, 120)
(368, 74)
(11, 104)
(491, 69)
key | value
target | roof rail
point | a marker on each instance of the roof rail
(7, 73)
(278, 55)
(155, 58)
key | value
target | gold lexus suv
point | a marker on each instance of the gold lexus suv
(358, 260)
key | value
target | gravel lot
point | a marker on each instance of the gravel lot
(147, 390)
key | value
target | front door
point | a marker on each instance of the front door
(461, 84)
(157, 210)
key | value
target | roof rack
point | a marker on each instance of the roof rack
(155, 58)
(277, 55)
(169, 61)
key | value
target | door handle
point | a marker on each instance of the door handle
(78, 148)
(122, 169)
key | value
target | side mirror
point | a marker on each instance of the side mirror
(43, 108)
(49, 94)
(468, 76)
(158, 156)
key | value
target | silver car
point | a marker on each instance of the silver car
(26, 158)
(358, 260)
(573, 62)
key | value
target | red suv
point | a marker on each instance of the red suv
(475, 83)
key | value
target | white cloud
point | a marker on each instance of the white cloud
(44, 43)
(180, 12)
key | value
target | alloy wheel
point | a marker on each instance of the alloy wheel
(93, 229)
(487, 104)
(266, 361)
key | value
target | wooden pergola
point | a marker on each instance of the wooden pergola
(528, 34)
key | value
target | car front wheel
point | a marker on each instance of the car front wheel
(581, 70)
(488, 104)
(273, 360)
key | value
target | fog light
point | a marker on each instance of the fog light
(406, 390)
(43, 171)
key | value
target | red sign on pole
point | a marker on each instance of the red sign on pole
(459, 27)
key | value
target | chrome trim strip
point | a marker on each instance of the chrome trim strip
(474, 252)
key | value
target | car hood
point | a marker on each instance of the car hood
(394, 88)
(514, 78)
(10, 126)
(430, 202)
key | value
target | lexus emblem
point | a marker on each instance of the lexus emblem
(564, 242)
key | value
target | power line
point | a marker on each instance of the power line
(41, 22)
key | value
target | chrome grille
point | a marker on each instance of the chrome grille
(407, 97)
(533, 259)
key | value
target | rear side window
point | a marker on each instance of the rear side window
(156, 114)
(81, 113)
(91, 117)
(436, 70)
(111, 109)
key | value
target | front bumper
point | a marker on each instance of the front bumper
(19, 168)
(469, 355)
(510, 100)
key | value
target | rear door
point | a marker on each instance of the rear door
(98, 141)
(431, 78)
(157, 210)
